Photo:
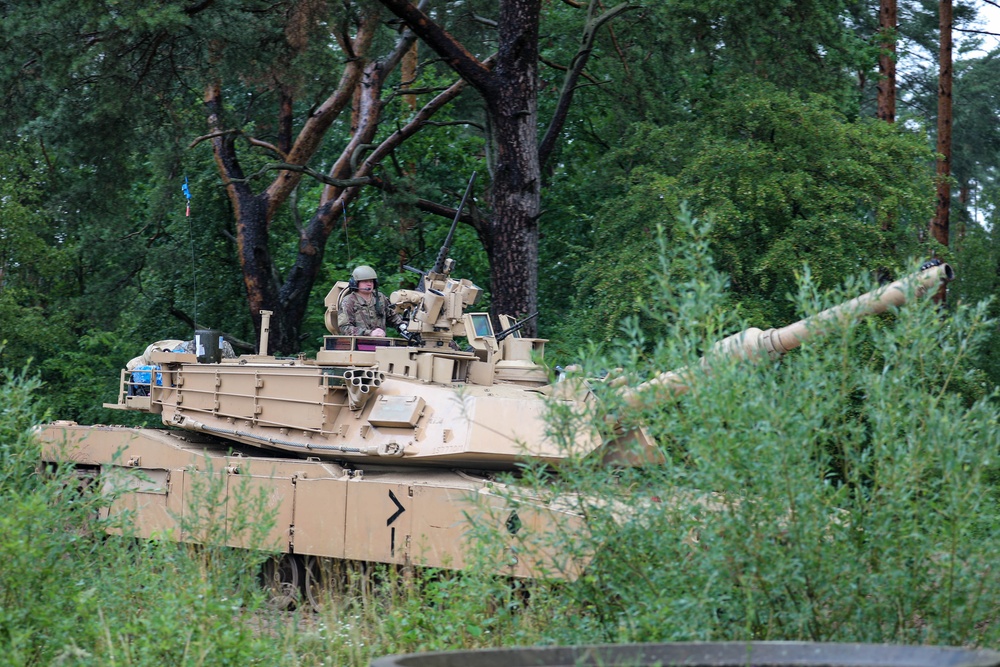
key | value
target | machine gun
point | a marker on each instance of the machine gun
(442, 257)
(435, 308)
(515, 327)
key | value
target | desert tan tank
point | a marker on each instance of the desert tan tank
(375, 450)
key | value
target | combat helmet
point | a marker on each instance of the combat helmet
(363, 272)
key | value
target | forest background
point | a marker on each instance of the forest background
(305, 138)
(650, 177)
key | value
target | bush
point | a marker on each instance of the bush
(71, 595)
(841, 493)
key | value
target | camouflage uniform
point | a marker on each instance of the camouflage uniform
(358, 317)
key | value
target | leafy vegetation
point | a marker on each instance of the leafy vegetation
(842, 493)
(785, 180)
(77, 589)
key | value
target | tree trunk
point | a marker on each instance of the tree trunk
(887, 61)
(940, 223)
(251, 213)
(887, 17)
(510, 91)
(516, 187)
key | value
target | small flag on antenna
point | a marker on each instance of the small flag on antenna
(187, 194)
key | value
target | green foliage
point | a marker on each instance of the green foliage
(786, 181)
(977, 252)
(69, 594)
(35, 261)
(843, 493)
(39, 604)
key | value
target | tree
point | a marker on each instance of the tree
(939, 227)
(785, 182)
(508, 85)
(110, 78)
(362, 84)
(887, 61)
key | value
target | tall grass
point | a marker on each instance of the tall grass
(72, 595)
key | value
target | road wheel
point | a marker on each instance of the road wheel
(282, 580)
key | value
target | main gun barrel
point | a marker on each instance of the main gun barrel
(755, 343)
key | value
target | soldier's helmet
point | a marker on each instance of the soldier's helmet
(363, 272)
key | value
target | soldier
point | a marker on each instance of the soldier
(365, 311)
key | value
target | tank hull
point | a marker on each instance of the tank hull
(362, 407)
(403, 516)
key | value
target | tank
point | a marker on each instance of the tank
(374, 450)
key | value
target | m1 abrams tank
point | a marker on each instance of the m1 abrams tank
(378, 449)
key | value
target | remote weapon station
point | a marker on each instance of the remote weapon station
(377, 449)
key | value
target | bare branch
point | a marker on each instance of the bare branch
(484, 21)
(419, 91)
(470, 123)
(210, 135)
(575, 70)
(563, 68)
(976, 32)
(322, 178)
(266, 145)
(428, 206)
(139, 232)
(444, 44)
(356, 154)
(251, 140)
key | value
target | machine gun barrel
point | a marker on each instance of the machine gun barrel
(446, 247)
(754, 343)
(515, 327)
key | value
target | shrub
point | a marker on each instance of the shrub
(841, 493)
(72, 595)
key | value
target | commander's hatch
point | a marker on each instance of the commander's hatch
(478, 331)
